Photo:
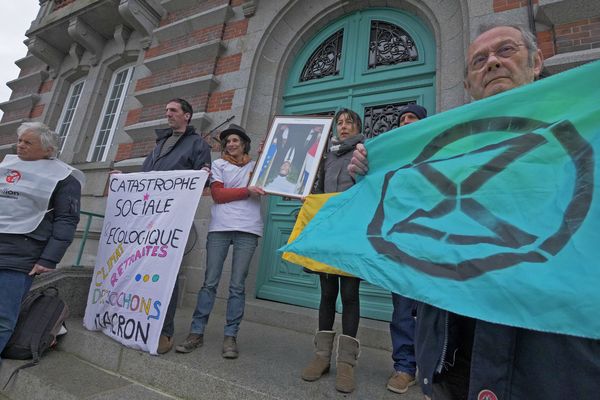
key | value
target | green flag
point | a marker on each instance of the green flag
(489, 210)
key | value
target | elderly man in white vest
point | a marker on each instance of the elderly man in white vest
(39, 211)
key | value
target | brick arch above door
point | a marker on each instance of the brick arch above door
(296, 22)
(373, 61)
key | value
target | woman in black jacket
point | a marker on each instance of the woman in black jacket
(333, 177)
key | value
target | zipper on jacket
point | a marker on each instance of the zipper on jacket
(445, 345)
(337, 180)
(156, 158)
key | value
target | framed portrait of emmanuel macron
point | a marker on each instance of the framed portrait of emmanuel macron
(291, 154)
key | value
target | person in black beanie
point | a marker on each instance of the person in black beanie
(412, 113)
(402, 325)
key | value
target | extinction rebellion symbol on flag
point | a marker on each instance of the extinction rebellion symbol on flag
(490, 206)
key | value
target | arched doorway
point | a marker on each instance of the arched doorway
(373, 61)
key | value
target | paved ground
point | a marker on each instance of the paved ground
(90, 365)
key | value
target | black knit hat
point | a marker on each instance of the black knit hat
(416, 109)
(235, 129)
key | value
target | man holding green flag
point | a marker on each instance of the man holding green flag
(535, 197)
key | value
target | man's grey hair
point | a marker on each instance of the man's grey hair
(528, 39)
(49, 138)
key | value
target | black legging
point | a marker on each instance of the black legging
(330, 285)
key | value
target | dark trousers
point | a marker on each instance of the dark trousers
(330, 286)
(169, 324)
(402, 332)
(14, 285)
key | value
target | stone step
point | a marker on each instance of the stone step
(372, 333)
(62, 376)
(271, 358)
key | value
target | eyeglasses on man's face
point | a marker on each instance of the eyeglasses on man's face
(506, 50)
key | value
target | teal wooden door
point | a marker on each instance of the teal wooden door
(374, 62)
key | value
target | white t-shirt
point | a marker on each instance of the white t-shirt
(240, 215)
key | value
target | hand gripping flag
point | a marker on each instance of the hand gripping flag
(490, 210)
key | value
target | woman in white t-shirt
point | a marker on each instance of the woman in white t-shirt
(235, 220)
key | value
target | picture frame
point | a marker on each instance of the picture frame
(291, 155)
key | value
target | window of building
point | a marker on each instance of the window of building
(325, 60)
(382, 118)
(107, 125)
(390, 45)
(66, 116)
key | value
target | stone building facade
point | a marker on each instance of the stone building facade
(101, 71)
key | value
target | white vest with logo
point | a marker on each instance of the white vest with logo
(25, 191)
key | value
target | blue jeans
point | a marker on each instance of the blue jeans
(14, 285)
(217, 247)
(402, 331)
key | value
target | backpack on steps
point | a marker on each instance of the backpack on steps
(41, 318)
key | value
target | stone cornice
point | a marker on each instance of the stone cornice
(214, 16)
(143, 16)
(24, 102)
(189, 87)
(47, 53)
(87, 37)
(33, 79)
(196, 53)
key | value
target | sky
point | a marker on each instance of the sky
(16, 17)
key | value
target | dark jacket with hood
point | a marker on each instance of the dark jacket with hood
(189, 152)
(510, 363)
(47, 244)
(333, 175)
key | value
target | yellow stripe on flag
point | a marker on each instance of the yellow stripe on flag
(310, 208)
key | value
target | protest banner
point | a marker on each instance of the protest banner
(490, 210)
(146, 225)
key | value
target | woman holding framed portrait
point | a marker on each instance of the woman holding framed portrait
(332, 177)
(235, 221)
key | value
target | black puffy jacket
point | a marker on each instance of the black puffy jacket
(512, 363)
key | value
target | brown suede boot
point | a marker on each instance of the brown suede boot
(320, 364)
(347, 354)
(165, 344)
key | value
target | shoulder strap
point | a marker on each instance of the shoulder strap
(29, 364)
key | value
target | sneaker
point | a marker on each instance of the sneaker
(230, 349)
(190, 343)
(399, 382)
(165, 344)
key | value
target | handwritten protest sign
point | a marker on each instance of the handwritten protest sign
(148, 218)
